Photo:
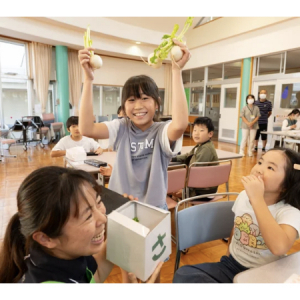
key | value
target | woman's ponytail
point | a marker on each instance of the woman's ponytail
(12, 265)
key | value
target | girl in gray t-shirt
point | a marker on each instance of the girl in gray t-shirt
(144, 147)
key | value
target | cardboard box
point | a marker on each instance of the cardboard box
(138, 247)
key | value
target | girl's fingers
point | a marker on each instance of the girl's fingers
(132, 278)
(155, 273)
(180, 44)
(84, 61)
(125, 195)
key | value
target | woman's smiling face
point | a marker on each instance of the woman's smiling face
(83, 235)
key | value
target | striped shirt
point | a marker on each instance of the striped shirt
(264, 108)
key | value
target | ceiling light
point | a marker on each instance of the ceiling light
(138, 43)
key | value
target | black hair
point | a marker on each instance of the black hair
(119, 109)
(147, 85)
(248, 96)
(295, 111)
(291, 183)
(44, 203)
(205, 121)
(72, 121)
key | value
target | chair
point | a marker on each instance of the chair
(202, 223)
(209, 175)
(102, 119)
(55, 127)
(291, 143)
(5, 143)
(176, 181)
(114, 116)
(276, 140)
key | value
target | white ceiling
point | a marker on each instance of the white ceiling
(161, 24)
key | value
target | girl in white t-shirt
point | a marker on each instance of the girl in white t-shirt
(266, 224)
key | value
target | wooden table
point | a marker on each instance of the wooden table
(221, 153)
(275, 272)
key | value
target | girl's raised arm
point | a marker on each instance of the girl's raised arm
(87, 126)
(179, 104)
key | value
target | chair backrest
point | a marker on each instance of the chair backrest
(202, 223)
(114, 116)
(102, 119)
(208, 176)
(176, 178)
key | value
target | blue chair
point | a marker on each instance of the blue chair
(202, 223)
(102, 119)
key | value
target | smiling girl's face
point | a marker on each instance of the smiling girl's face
(83, 235)
(271, 168)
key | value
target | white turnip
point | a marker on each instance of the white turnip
(96, 61)
(157, 62)
(177, 53)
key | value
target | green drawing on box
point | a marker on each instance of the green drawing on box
(161, 243)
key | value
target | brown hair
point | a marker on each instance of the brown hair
(148, 86)
(44, 200)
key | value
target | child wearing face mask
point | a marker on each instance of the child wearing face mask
(266, 222)
(250, 115)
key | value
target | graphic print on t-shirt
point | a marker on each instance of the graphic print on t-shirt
(248, 233)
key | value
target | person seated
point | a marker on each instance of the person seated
(75, 139)
(290, 123)
(204, 151)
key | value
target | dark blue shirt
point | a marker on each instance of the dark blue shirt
(264, 108)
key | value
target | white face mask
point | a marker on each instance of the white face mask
(262, 96)
(250, 101)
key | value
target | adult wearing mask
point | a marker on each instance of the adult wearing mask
(250, 115)
(265, 108)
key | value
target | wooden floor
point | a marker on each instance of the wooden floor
(14, 170)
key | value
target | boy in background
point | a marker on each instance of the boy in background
(204, 151)
(75, 139)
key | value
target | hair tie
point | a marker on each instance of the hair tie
(297, 167)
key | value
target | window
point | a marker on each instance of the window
(270, 64)
(96, 100)
(162, 99)
(186, 76)
(110, 100)
(13, 64)
(290, 95)
(197, 75)
(215, 72)
(196, 105)
(232, 70)
(292, 62)
(230, 98)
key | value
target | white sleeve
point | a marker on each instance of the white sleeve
(94, 145)
(241, 195)
(166, 143)
(285, 126)
(61, 145)
(113, 129)
(289, 215)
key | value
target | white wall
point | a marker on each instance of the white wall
(271, 39)
(115, 71)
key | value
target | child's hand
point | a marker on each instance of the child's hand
(185, 58)
(130, 197)
(106, 171)
(254, 187)
(99, 151)
(152, 279)
(84, 59)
